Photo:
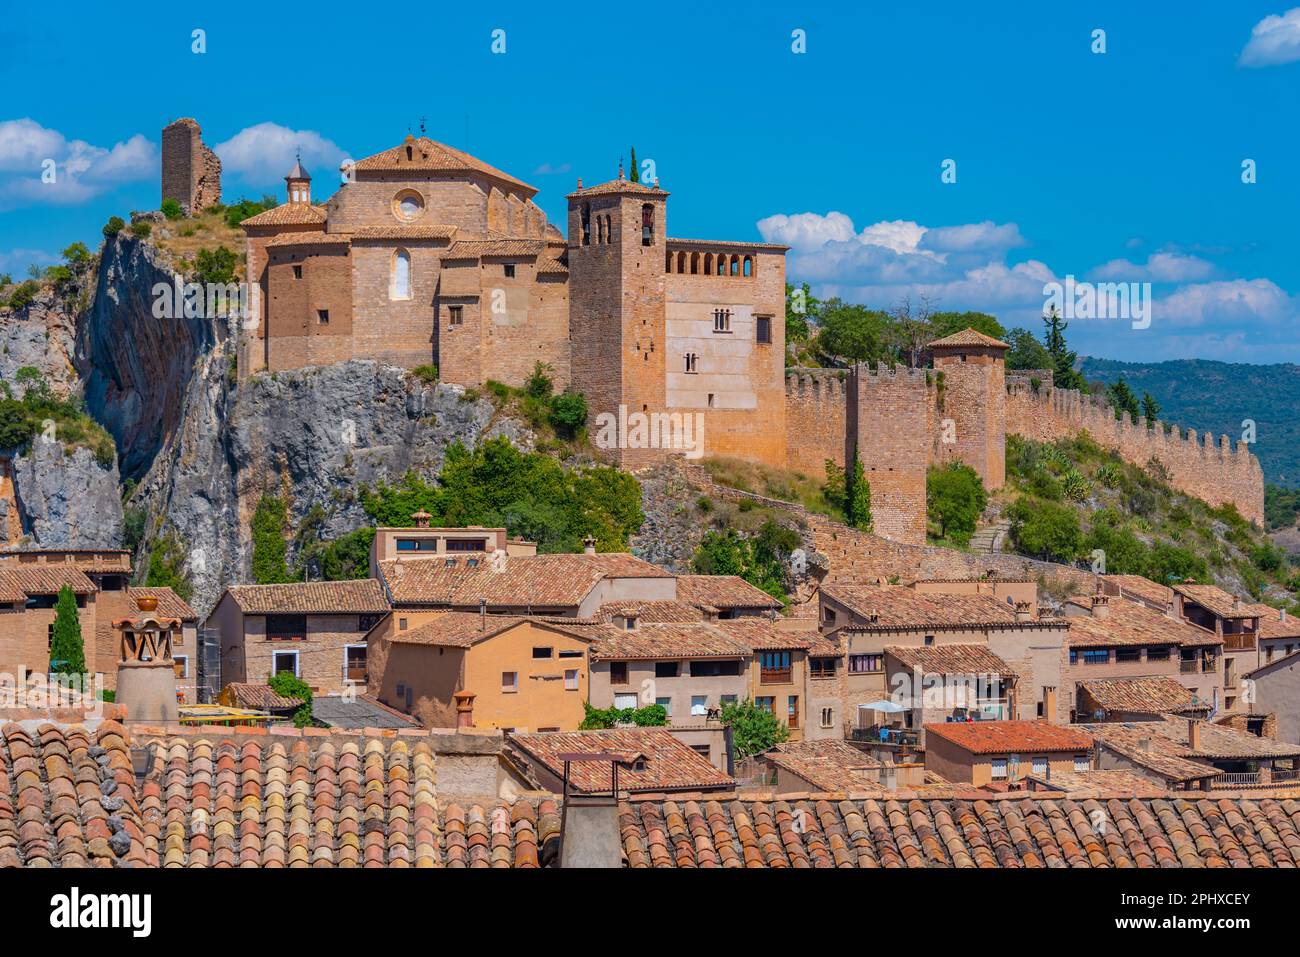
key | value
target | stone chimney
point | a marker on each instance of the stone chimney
(146, 672)
(1282, 614)
(421, 518)
(1193, 734)
(589, 545)
(1100, 606)
(590, 835)
(464, 708)
(1236, 602)
(1024, 611)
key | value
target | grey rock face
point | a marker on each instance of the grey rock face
(67, 499)
(137, 368)
(42, 335)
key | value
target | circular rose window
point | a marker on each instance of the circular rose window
(407, 205)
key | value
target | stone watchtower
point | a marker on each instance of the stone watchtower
(617, 317)
(971, 403)
(191, 172)
(146, 672)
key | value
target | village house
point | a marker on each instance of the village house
(987, 752)
(951, 682)
(315, 630)
(1119, 638)
(826, 765)
(1237, 623)
(1138, 699)
(100, 578)
(422, 541)
(1275, 696)
(463, 669)
(1189, 754)
(650, 760)
(725, 596)
(864, 619)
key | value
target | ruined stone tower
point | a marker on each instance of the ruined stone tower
(617, 250)
(191, 172)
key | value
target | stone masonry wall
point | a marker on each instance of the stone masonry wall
(888, 417)
(814, 418)
(191, 172)
(1197, 465)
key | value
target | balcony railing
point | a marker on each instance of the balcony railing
(1189, 667)
(1243, 642)
(356, 673)
(774, 676)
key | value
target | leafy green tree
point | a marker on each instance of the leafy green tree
(759, 559)
(246, 208)
(67, 650)
(853, 333)
(539, 383)
(114, 226)
(1064, 374)
(77, 255)
(598, 719)
(1027, 352)
(955, 498)
(166, 567)
(947, 323)
(833, 488)
(269, 547)
(291, 686)
(569, 413)
(1123, 399)
(1124, 552)
(215, 265)
(800, 304)
(172, 209)
(753, 729)
(719, 553)
(857, 496)
(16, 424)
(1150, 409)
(1046, 530)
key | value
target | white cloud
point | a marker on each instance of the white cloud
(552, 169)
(1204, 313)
(16, 261)
(1273, 41)
(1159, 267)
(81, 170)
(262, 154)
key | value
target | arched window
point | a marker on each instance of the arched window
(609, 228)
(708, 264)
(722, 264)
(735, 265)
(586, 224)
(681, 262)
(695, 263)
(647, 224)
(749, 266)
(400, 287)
(668, 261)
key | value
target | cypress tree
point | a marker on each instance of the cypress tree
(858, 495)
(67, 651)
(636, 173)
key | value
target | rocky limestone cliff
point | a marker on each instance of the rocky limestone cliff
(137, 368)
(66, 499)
(42, 335)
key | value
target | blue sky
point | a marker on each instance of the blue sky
(1124, 165)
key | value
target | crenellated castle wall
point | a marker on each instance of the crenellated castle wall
(814, 418)
(1197, 464)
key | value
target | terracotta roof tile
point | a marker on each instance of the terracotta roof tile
(1131, 623)
(1154, 694)
(670, 765)
(996, 737)
(461, 629)
(1169, 735)
(896, 606)
(17, 582)
(1273, 625)
(1141, 587)
(614, 187)
(649, 611)
(405, 231)
(260, 697)
(723, 592)
(432, 156)
(66, 798)
(950, 659)
(678, 243)
(288, 214)
(346, 597)
(522, 582)
(829, 765)
(764, 634)
(968, 337)
(477, 248)
(1222, 603)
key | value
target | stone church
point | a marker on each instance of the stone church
(427, 255)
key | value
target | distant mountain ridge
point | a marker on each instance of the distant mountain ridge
(1217, 397)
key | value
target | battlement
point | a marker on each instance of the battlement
(1214, 470)
(815, 384)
